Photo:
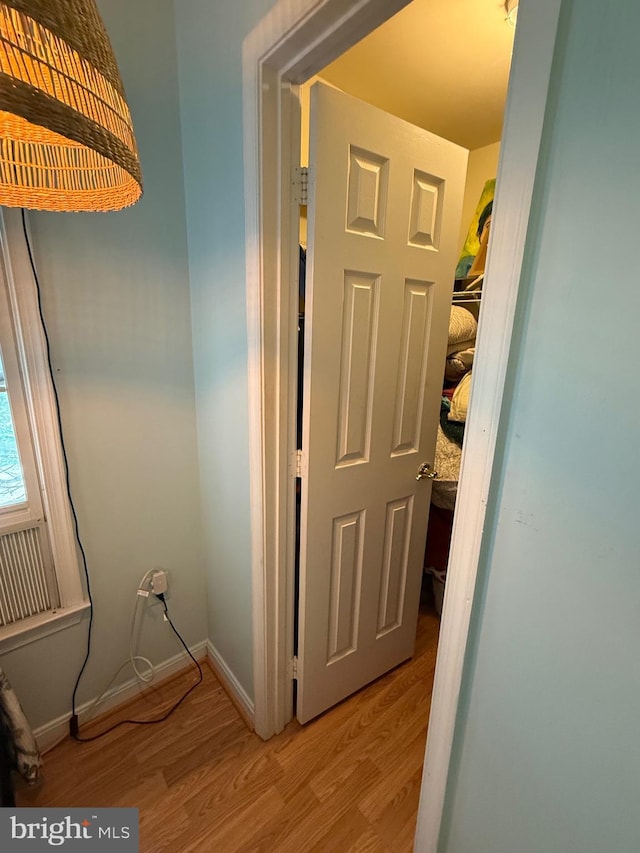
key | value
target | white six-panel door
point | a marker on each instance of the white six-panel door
(384, 210)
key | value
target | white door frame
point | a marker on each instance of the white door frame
(294, 41)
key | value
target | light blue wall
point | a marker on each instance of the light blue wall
(116, 300)
(546, 755)
(210, 37)
(548, 746)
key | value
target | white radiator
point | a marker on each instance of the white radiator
(27, 581)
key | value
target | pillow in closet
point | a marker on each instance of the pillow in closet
(458, 363)
(463, 328)
(460, 399)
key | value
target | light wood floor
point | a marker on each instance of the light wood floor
(348, 781)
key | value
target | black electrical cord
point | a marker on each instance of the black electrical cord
(66, 463)
(165, 716)
(74, 725)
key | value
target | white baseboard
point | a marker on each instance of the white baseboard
(56, 730)
(231, 685)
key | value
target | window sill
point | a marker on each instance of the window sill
(36, 627)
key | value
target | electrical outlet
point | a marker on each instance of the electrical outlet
(159, 582)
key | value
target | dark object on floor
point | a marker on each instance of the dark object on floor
(438, 537)
(6, 765)
(436, 555)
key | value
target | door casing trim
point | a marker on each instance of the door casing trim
(294, 41)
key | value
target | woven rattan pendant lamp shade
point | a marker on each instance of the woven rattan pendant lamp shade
(66, 136)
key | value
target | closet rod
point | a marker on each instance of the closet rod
(467, 298)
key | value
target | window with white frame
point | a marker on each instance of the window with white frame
(40, 586)
(13, 489)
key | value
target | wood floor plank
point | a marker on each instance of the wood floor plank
(144, 796)
(222, 774)
(353, 834)
(370, 842)
(383, 733)
(232, 832)
(366, 724)
(243, 785)
(396, 823)
(347, 782)
(398, 773)
(309, 826)
(273, 834)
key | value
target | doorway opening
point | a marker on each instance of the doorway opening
(287, 48)
(341, 588)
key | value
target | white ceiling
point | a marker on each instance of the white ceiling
(440, 64)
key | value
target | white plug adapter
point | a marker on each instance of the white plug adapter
(159, 582)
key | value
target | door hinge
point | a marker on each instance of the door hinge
(294, 667)
(301, 185)
(299, 464)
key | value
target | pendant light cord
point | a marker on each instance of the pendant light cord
(66, 462)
